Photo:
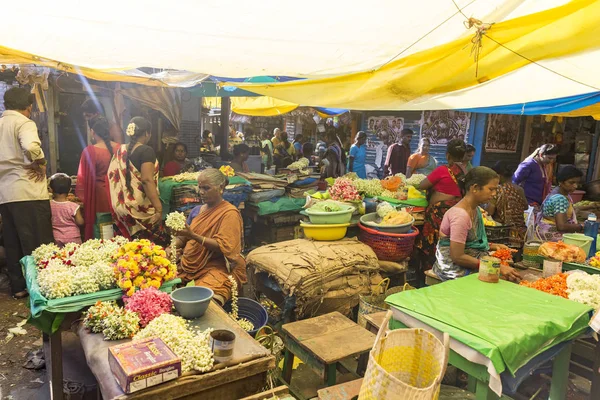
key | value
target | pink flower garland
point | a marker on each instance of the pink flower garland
(343, 189)
(148, 304)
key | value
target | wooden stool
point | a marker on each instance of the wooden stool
(431, 278)
(374, 321)
(323, 341)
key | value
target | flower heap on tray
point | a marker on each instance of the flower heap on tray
(76, 269)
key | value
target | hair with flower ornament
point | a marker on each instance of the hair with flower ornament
(138, 127)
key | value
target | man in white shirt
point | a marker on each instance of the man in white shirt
(24, 199)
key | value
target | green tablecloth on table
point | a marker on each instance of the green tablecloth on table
(47, 315)
(166, 185)
(508, 323)
(282, 204)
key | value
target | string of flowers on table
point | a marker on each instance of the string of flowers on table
(176, 221)
(114, 322)
(242, 322)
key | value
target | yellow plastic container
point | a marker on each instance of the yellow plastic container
(327, 232)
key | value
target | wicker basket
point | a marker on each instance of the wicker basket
(389, 246)
(405, 364)
(370, 304)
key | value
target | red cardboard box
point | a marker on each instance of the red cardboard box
(143, 363)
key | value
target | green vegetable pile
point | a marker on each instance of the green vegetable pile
(326, 206)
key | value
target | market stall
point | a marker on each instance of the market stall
(486, 345)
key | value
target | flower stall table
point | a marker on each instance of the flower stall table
(499, 332)
(243, 376)
(52, 316)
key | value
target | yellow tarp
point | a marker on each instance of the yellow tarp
(263, 106)
(551, 34)
(165, 79)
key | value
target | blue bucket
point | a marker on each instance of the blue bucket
(252, 311)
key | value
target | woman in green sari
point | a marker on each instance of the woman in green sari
(463, 240)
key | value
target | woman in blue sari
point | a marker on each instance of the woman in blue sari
(463, 240)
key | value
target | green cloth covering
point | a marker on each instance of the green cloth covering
(508, 323)
(282, 204)
(47, 315)
(166, 185)
(408, 203)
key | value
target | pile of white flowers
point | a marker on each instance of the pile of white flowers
(415, 179)
(192, 347)
(370, 187)
(176, 221)
(584, 288)
(76, 269)
(243, 322)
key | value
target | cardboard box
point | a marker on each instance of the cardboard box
(143, 363)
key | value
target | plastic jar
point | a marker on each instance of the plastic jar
(489, 269)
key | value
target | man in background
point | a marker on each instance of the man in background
(398, 154)
(469, 157)
(24, 199)
(91, 109)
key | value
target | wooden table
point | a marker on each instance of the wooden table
(243, 376)
(322, 342)
(374, 321)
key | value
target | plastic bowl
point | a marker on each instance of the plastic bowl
(252, 310)
(369, 220)
(328, 232)
(192, 301)
(335, 217)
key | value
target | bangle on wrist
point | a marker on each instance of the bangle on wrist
(203, 239)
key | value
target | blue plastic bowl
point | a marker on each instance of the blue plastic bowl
(251, 310)
(192, 301)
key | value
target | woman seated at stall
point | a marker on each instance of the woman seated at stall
(463, 240)
(241, 152)
(421, 162)
(509, 204)
(444, 192)
(176, 165)
(212, 244)
(558, 216)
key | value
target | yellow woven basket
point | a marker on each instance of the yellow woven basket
(405, 364)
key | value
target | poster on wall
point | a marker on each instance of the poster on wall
(382, 131)
(386, 127)
(502, 133)
(441, 126)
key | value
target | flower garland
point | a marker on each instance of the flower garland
(148, 304)
(45, 252)
(344, 189)
(243, 322)
(177, 222)
(114, 322)
(56, 280)
(191, 347)
(227, 171)
(141, 264)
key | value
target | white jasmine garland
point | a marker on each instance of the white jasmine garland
(96, 314)
(121, 324)
(192, 347)
(56, 281)
(85, 281)
(104, 274)
(242, 322)
(186, 176)
(44, 252)
(130, 129)
(175, 221)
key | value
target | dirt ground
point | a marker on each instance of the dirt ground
(16, 382)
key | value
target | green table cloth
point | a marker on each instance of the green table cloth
(507, 323)
(47, 315)
(282, 204)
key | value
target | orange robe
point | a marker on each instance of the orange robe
(223, 223)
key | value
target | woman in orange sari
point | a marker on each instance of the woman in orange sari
(212, 245)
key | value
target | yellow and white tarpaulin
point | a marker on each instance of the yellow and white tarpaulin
(261, 106)
(384, 54)
(550, 54)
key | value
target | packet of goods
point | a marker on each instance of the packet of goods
(143, 363)
(562, 252)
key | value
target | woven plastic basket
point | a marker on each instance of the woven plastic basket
(405, 364)
(389, 246)
(370, 304)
